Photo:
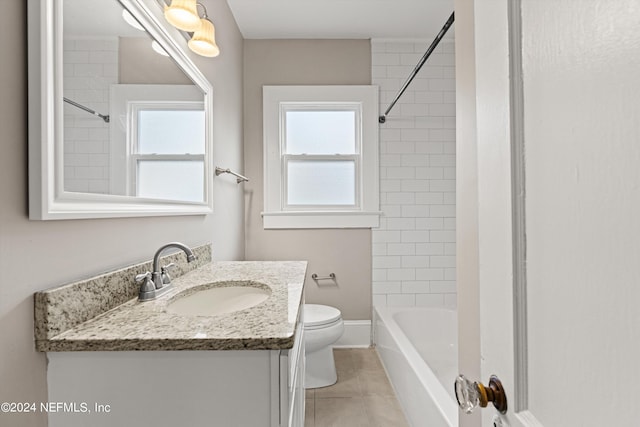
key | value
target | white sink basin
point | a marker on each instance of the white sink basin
(217, 300)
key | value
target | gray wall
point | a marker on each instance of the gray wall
(35, 255)
(137, 64)
(347, 253)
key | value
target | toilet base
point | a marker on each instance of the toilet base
(320, 368)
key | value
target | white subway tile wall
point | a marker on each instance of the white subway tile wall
(90, 68)
(414, 248)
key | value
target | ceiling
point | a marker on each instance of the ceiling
(333, 19)
(99, 19)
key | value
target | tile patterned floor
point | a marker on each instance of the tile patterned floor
(362, 396)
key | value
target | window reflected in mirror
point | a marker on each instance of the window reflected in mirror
(169, 153)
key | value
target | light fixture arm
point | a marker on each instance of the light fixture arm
(163, 3)
(206, 16)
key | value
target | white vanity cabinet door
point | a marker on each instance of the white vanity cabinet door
(162, 388)
(292, 372)
(292, 395)
(260, 388)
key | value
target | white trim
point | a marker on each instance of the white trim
(357, 334)
(528, 419)
(518, 202)
(354, 219)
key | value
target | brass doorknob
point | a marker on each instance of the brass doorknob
(470, 395)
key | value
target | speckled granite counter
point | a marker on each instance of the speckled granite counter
(147, 325)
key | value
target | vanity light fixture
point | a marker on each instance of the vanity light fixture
(183, 14)
(203, 41)
(158, 49)
(129, 19)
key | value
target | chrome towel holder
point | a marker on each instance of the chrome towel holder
(239, 178)
(331, 276)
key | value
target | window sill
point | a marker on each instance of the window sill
(315, 219)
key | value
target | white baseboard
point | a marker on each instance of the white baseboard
(357, 333)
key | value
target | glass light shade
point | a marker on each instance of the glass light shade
(129, 19)
(158, 49)
(203, 41)
(183, 15)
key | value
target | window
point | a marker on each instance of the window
(160, 143)
(321, 156)
(168, 147)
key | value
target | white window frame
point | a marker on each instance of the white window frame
(277, 100)
(121, 97)
(134, 155)
(355, 107)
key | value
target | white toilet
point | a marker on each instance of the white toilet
(323, 326)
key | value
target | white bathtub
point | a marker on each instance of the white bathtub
(419, 350)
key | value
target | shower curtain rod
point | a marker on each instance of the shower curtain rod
(88, 110)
(434, 44)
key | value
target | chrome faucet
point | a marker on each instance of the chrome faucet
(156, 283)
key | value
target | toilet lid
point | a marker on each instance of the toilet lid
(317, 315)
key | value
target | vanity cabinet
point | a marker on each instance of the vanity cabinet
(140, 364)
(179, 388)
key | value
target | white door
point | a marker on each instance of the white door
(563, 334)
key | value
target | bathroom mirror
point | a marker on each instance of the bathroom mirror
(119, 115)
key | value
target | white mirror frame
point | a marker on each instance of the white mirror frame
(47, 198)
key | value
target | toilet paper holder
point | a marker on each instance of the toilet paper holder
(331, 276)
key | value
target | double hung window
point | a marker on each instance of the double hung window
(321, 156)
(160, 144)
(321, 151)
(168, 151)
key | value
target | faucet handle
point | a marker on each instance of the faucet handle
(166, 279)
(147, 283)
(141, 277)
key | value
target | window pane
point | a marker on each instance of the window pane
(321, 182)
(171, 131)
(320, 132)
(181, 180)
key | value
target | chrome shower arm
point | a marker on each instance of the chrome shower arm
(434, 44)
(87, 109)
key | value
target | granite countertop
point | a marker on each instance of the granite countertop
(135, 325)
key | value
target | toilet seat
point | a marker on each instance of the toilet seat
(319, 316)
